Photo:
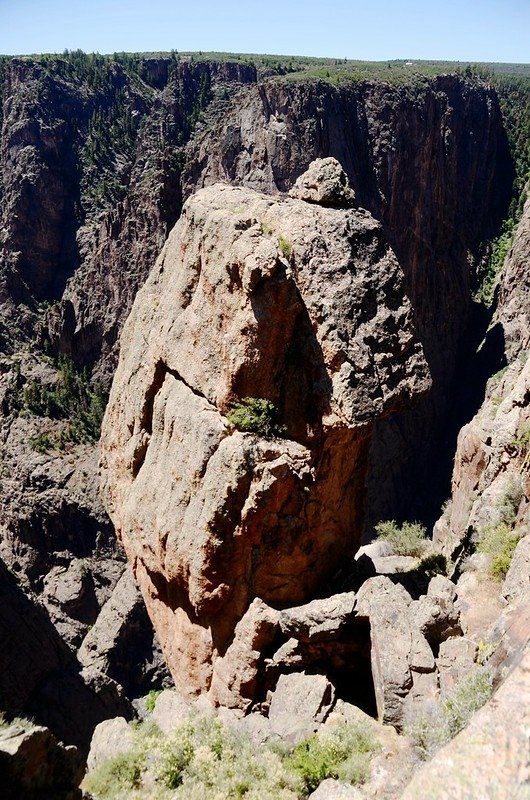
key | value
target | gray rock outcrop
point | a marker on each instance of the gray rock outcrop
(325, 183)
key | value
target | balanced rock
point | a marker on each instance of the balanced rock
(325, 183)
(264, 298)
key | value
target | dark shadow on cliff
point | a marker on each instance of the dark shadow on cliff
(41, 678)
(481, 355)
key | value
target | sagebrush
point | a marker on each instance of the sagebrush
(408, 539)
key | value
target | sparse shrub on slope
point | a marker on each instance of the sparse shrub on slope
(449, 716)
(434, 564)
(203, 760)
(118, 777)
(499, 543)
(200, 760)
(408, 539)
(343, 752)
(71, 397)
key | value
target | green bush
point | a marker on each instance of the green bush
(508, 504)
(405, 540)
(71, 397)
(116, 777)
(498, 542)
(256, 415)
(285, 246)
(202, 759)
(434, 564)
(342, 753)
(150, 700)
(521, 442)
(489, 272)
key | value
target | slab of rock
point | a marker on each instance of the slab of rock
(400, 653)
(299, 705)
(34, 765)
(318, 619)
(330, 789)
(111, 738)
(391, 565)
(170, 711)
(235, 675)
(456, 657)
(122, 643)
(257, 297)
(376, 549)
(508, 637)
(325, 183)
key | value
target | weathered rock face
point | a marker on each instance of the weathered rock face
(251, 297)
(377, 648)
(401, 149)
(91, 157)
(490, 479)
(513, 295)
(414, 160)
(490, 757)
(40, 676)
(61, 570)
(491, 483)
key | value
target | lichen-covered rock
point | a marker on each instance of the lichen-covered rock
(263, 298)
(299, 705)
(170, 711)
(111, 738)
(331, 789)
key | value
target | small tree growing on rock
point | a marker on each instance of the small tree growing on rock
(256, 415)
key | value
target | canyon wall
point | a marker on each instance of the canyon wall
(96, 160)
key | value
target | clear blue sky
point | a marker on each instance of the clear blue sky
(456, 30)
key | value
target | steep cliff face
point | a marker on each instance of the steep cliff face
(429, 161)
(513, 293)
(262, 298)
(490, 478)
(426, 161)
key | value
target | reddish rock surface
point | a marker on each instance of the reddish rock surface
(251, 297)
